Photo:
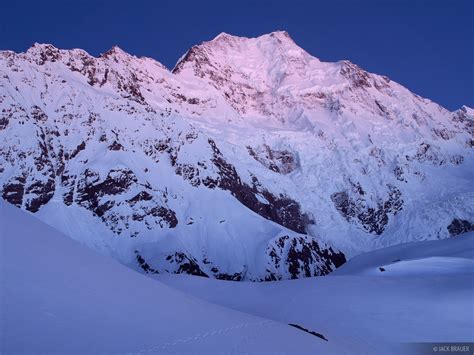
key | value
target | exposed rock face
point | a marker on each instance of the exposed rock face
(100, 197)
(185, 264)
(358, 78)
(14, 190)
(464, 117)
(280, 209)
(298, 257)
(238, 164)
(287, 257)
(460, 226)
(279, 161)
(356, 208)
(144, 265)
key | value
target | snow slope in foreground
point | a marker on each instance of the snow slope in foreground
(429, 296)
(59, 296)
(452, 256)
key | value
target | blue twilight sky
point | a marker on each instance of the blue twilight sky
(426, 45)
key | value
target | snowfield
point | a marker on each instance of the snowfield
(58, 296)
(440, 257)
(61, 297)
(425, 294)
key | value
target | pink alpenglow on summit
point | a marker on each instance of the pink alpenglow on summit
(250, 160)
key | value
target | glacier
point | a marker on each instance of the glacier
(250, 160)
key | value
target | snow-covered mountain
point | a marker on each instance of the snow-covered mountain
(251, 159)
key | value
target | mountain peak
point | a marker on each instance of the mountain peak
(115, 51)
(269, 134)
(280, 34)
(223, 35)
(236, 51)
(465, 111)
(41, 46)
(281, 38)
(42, 52)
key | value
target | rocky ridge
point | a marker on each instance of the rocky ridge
(250, 160)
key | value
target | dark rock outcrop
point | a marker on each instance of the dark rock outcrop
(185, 264)
(301, 256)
(14, 190)
(279, 161)
(42, 192)
(459, 226)
(144, 265)
(353, 206)
(319, 335)
(103, 198)
(280, 209)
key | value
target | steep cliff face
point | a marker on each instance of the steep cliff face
(250, 160)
